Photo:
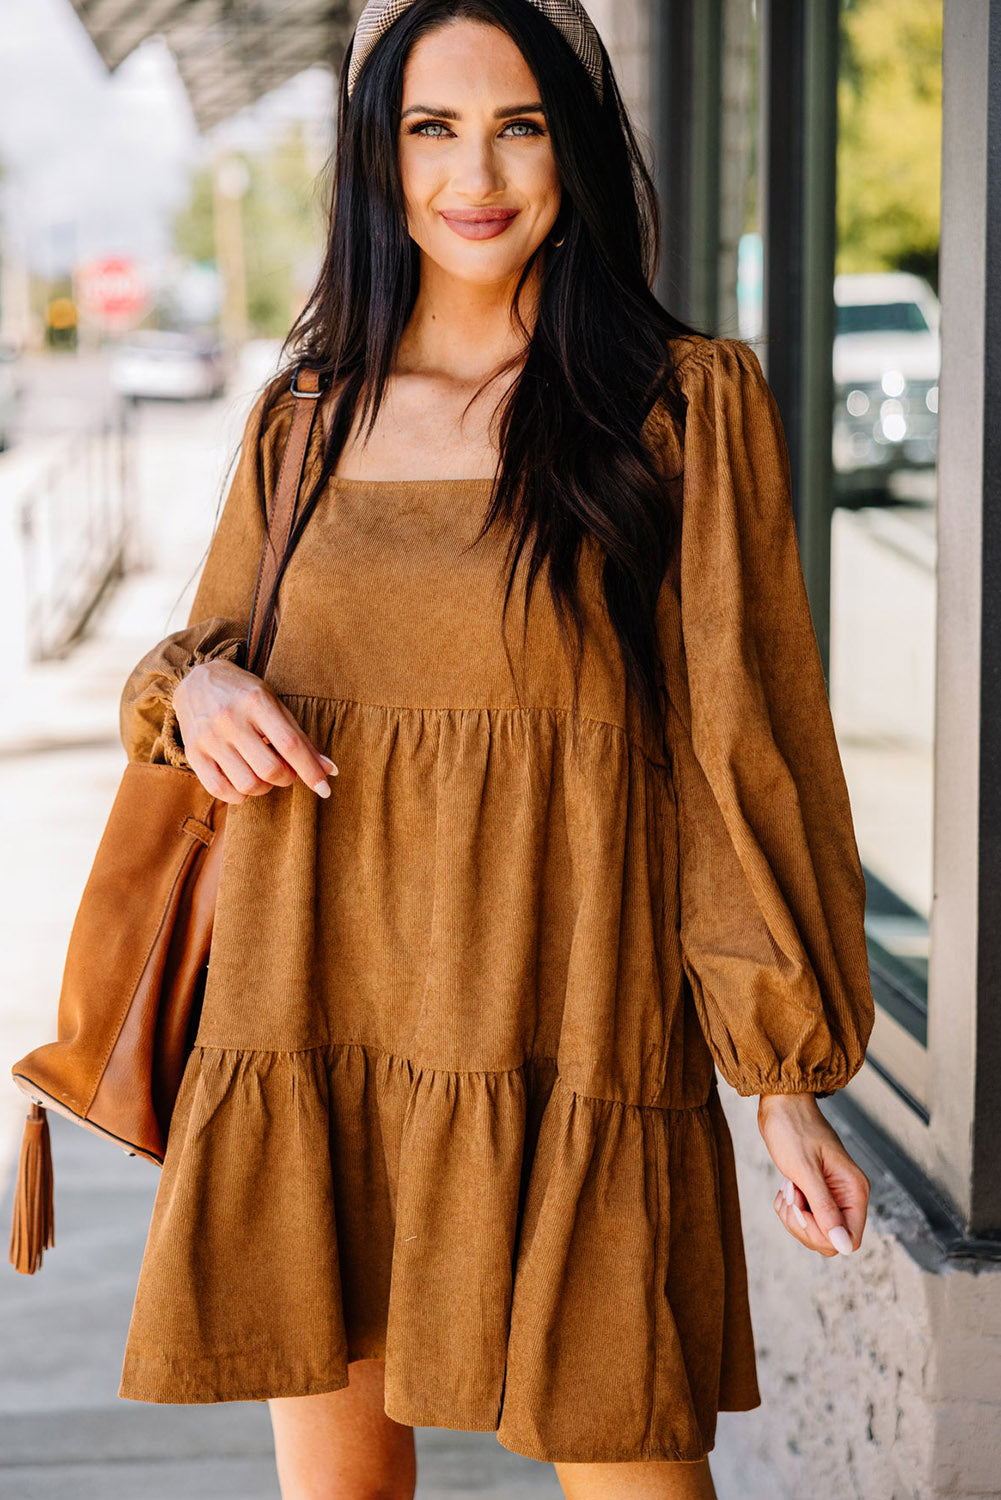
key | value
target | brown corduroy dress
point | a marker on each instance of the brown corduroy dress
(452, 1099)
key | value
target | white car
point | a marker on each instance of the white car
(886, 371)
(157, 363)
(9, 392)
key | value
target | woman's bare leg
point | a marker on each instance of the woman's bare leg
(656, 1479)
(341, 1445)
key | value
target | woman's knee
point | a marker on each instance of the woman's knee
(656, 1479)
(342, 1443)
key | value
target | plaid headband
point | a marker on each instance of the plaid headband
(568, 16)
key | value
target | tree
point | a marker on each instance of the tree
(283, 227)
(890, 136)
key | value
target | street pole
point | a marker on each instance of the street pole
(230, 181)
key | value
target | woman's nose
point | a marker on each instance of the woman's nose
(477, 171)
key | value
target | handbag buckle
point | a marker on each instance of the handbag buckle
(309, 395)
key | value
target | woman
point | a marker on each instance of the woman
(449, 1148)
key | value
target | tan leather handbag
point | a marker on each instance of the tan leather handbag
(138, 951)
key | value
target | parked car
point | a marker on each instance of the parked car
(9, 391)
(886, 371)
(158, 363)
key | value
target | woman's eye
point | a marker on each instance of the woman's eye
(434, 130)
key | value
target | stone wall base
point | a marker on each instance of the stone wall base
(880, 1373)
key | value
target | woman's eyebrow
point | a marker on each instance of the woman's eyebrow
(453, 114)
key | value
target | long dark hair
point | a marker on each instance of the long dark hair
(574, 463)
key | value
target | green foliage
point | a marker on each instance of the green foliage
(890, 136)
(193, 226)
(283, 230)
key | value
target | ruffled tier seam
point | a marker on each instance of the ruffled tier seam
(481, 708)
(490, 1248)
(370, 1048)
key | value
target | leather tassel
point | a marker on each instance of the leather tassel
(32, 1229)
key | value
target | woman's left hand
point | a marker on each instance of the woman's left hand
(824, 1195)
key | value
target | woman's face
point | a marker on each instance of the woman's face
(476, 161)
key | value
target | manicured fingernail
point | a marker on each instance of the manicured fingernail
(840, 1239)
(788, 1191)
(323, 788)
(798, 1215)
(328, 762)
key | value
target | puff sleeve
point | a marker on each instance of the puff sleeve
(218, 620)
(771, 884)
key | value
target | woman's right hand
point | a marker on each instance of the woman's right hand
(239, 738)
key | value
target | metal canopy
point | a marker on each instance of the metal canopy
(228, 52)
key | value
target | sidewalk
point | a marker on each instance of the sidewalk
(64, 1432)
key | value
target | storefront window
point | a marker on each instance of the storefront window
(884, 453)
(741, 257)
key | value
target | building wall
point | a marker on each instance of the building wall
(625, 29)
(737, 126)
(880, 1373)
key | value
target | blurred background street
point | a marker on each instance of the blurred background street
(164, 172)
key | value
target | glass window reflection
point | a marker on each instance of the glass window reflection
(884, 453)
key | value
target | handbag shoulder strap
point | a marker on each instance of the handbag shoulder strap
(260, 635)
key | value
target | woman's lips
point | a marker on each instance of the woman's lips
(479, 223)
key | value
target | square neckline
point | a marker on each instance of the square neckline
(348, 479)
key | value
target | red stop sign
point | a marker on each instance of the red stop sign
(112, 289)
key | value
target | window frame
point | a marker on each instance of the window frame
(928, 1098)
